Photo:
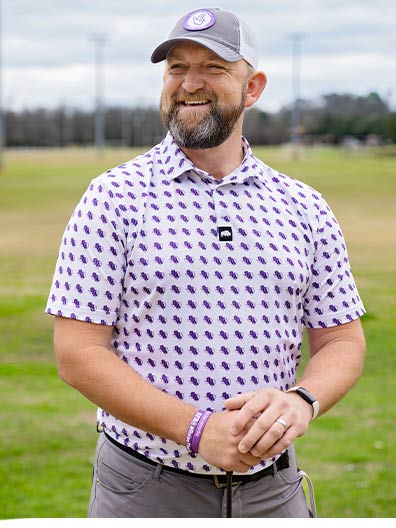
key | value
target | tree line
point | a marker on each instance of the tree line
(332, 120)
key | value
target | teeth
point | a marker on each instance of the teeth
(195, 102)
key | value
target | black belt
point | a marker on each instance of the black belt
(219, 480)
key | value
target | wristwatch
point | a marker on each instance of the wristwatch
(309, 398)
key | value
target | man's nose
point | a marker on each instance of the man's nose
(193, 81)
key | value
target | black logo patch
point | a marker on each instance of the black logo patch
(225, 233)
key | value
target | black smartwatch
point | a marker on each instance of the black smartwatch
(309, 398)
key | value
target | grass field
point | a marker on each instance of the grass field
(48, 430)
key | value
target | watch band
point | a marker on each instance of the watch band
(308, 397)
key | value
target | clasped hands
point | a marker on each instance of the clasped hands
(255, 425)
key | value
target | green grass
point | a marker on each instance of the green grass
(48, 433)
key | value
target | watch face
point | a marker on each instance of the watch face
(306, 395)
(309, 398)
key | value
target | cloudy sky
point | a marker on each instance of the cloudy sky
(48, 48)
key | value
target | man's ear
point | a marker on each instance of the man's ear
(255, 86)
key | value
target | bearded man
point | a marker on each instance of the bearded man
(185, 279)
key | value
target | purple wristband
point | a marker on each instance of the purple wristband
(195, 429)
(190, 432)
(196, 437)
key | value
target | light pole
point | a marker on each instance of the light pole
(2, 128)
(295, 117)
(99, 41)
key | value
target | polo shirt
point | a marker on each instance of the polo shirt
(208, 284)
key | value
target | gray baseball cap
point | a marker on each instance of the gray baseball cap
(220, 31)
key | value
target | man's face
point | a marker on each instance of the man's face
(203, 97)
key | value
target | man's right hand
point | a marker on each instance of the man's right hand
(220, 448)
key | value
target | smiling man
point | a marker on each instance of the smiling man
(184, 282)
(204, 97)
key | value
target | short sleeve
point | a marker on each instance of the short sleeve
(332, 297)
(89, 273)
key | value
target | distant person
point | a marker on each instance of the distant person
(184, 281)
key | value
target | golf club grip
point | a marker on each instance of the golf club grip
(229, 494)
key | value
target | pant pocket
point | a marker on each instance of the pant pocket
(294, 476)
(120, 473)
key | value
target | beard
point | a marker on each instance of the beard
(205, 132)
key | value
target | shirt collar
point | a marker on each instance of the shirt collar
(174, 163)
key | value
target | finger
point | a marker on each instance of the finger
(249, 459)
(278, 447)
(265, 431)
(241, 467)
(273, 440)
(252, 409)
(238, 401)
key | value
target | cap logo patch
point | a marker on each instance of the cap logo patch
(198, 20)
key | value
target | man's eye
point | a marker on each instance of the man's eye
(215, 67)
(175, 67)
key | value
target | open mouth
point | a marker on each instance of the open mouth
(194, 103)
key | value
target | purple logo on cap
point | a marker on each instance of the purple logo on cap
(198, 20)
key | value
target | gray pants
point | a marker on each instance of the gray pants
(124, 486)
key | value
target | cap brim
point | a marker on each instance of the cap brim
(160, 53)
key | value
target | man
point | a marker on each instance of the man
(183, 283)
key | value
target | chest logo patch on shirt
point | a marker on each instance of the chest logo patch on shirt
(225, 234)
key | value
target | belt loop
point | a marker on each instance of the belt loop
(158, 471)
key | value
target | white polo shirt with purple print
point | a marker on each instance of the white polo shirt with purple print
(208, 283)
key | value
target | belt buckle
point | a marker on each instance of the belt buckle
(218, 484)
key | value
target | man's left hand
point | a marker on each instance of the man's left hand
(268, 437)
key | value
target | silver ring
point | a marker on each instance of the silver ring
(283, 423)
